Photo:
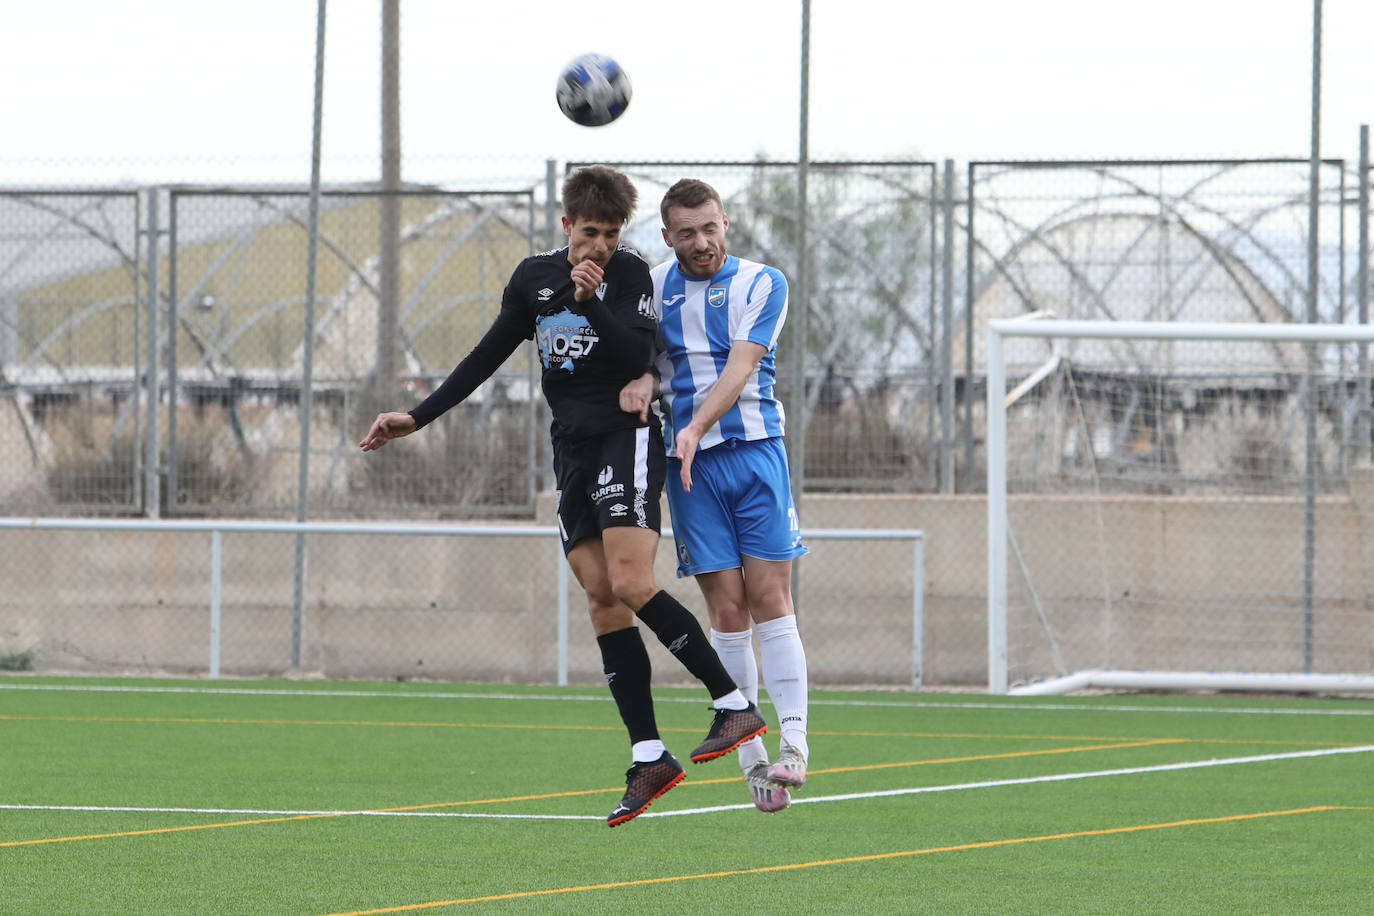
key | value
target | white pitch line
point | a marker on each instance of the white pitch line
(851, 796)
(1030, 780)
(877, 704)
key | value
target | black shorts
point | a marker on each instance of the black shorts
(609, 481)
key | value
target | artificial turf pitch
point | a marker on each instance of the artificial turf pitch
(171, 796)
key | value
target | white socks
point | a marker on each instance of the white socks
(732, 700)
(736, 651)
(646, 751)
(784, 674)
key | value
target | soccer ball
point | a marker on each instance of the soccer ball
(593, 90)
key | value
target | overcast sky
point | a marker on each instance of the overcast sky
(217, 90)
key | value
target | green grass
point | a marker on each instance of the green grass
(1276, 836)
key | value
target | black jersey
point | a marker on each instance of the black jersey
(584, 372)
(589, 350)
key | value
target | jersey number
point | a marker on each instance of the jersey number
(567, 345)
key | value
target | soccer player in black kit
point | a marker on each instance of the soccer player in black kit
(588, 308)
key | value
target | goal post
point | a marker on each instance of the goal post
(1190, 506)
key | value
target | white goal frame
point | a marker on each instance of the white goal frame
(997, 402)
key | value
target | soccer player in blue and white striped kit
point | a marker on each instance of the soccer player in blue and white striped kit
(728, 485)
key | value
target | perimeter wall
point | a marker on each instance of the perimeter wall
(467, 608)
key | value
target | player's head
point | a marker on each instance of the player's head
(694, 225)
(597, 203)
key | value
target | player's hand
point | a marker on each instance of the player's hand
(586, 277)
(685, 445)
(391, 425)
(636, 395)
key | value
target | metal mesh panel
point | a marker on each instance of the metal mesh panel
(239, 293)
(1149, 241)
(69, 351)
(871, 294)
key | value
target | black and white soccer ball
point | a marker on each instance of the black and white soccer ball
(593, 90)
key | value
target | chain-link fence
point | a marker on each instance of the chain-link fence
(1144, 241)
(1156, 488)
(869, 405)
(236, 358)
(70, 350)
(192, 299)
(205, 323)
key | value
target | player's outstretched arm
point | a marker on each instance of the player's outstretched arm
(390, 425)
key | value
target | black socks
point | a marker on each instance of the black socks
(625, 662)
(677, 629)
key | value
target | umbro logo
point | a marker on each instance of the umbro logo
(544, 294)
(619, 509)
(677, 299)
(676, 645)
(605, 476)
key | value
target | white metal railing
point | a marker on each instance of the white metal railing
(217, 527)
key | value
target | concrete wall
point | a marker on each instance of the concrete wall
(1122, 582)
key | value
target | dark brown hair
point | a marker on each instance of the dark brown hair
(599, 193)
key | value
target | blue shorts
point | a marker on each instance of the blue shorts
(740, 505)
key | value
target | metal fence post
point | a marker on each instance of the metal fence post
(1362, 300)
(307, 358)
(171, 351)
(216, 578)
(947, 337)
(152, 496)
(1309, 556)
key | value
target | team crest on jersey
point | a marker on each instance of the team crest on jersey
(715, 297)
(601, 292)
(646, 307)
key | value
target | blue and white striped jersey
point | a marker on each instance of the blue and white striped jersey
(698, 320)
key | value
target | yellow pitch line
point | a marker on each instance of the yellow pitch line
(830, 770)
(105, 836)
(1006, 755)
(573, 793)
(961, 847)
(197, 720)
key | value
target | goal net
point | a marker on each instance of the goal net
(1179, 505)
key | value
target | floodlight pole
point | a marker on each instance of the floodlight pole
(389, 216)
(308, 354)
